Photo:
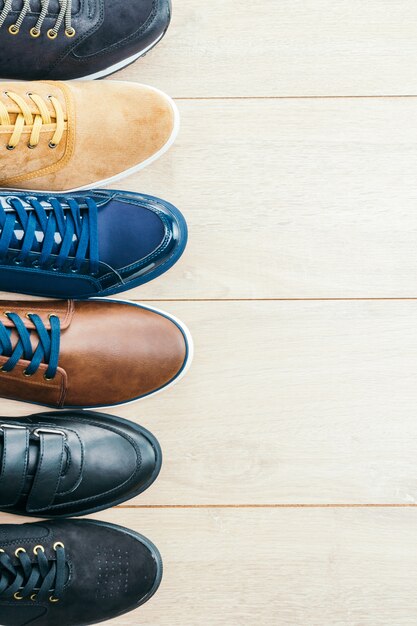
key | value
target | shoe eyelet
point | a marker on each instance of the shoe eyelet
(26, 374)
(74, 270)
(70, 32)
(35, 264)
(33, 597)
(13, 29)
(9, 147)
(48, 378)
(32, 146)
(35, 32)
(58, 544)
(16, 596)
(52, 34)
(18, 551)
(52, 599)
(54, 268)
(52, 145)
(17, 262)
(37, 548)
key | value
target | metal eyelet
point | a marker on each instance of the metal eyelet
(36, 264)
(32, 146)
(33, 597)
(9, 147)
(13, 29)
(26, 374)
(52, 145)
(35, 32)
(37, 548)
(18, 551)
(52, 599)
(16, 596)
(58, 544)
(70, 32)
(48, 377)
(52, 34)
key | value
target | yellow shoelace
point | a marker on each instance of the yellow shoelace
(27, 120)
(64, 15)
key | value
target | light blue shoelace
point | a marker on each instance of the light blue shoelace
(59, 230)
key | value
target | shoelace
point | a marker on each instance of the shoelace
(64, 15)
(44, 578)
(47, 350)
(34, 121)
(67, 232)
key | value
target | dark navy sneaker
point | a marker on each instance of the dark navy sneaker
(93, 243)
(67, 39)
(74, 572)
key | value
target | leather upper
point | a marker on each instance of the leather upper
(109, 570)
(107, 32)
(110, 353)
(123, 227)
(73, 463)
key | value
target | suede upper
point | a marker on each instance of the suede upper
(106, 33)
(109, 570)
(127, 122)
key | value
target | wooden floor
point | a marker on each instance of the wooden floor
(289, 490)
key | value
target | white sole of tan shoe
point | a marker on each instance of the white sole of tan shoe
(124, 173)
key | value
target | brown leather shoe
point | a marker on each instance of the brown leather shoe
(93, 353)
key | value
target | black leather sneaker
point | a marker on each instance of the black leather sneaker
(73, 463)
(66, 39)
(74, 572)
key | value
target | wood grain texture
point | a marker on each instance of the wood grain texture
(287, 402)
(286, 48)
(291, 198)
(292, 567)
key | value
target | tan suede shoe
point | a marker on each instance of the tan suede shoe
(91, 353)
(57, 136)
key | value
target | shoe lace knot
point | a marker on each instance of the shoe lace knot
(46, 351)
(51, 233)
(38, 578)
(21, 119)
(64, 16)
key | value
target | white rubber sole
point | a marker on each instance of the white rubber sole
(186, 367)
(119, 66)
(124, 173)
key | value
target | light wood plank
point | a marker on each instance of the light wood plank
(286, 48)
(291, 198)
(288, 402)
(292, 567)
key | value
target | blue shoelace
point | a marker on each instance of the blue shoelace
(58, 230)
(47, 350)
(35, 580)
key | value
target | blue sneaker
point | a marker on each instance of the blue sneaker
(85, 244)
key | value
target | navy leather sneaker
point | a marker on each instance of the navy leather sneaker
(94, 243)
(67, 39)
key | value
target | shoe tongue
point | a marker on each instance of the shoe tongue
(36, 6)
